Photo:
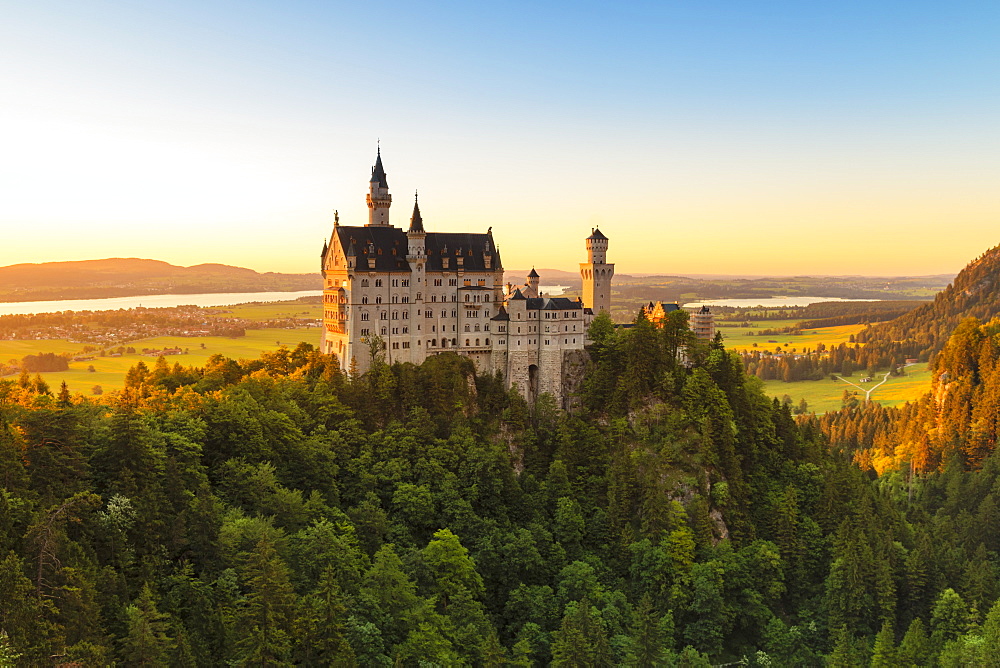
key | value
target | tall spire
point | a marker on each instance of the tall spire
(378, 172)
(416, 221)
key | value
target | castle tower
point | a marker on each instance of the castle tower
(597, 274)
(533, 279)
(379, 199)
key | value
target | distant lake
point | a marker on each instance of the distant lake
(772, 301)
(553, 290)
(152, 301)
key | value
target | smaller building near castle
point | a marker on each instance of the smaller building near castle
(701, 322)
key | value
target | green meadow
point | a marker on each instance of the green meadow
(109, 372)
(826, 395)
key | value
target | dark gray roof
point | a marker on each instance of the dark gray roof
(472, 248)
(596, 234)
(517, 294)
(552, 304)
(533, 274)
(378, 172)
(370, 240)
(501, 315)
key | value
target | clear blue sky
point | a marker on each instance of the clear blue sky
(726, 137)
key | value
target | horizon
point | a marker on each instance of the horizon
(766, 140)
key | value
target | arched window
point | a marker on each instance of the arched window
(477, 327)
(364, 300)
(466, 297)
(378, 299)
(477, 342)
(419, 297)
(467, 328)
(466, 343)
(364, 282)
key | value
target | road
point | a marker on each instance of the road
(868, 392)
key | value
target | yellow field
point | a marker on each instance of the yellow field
(825, 395)
(737, 338)
(109, 372)
(272, 311)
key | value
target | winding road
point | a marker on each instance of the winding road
(868, 392)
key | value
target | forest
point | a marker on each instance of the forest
(277, 512)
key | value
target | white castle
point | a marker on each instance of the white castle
(423, 293)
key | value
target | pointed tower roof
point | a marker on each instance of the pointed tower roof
(325, 248)
(596, 234)
(501, 314)
(533, 274)
(378, 172)
(416, 222)
(350, 249)
(517, 294)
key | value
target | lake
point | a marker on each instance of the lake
(152, 301)
(771, 301)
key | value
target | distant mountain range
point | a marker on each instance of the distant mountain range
(127, 277)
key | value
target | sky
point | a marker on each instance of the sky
(726, 137)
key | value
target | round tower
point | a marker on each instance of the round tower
(597, 274)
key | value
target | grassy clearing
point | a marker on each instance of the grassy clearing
(109, 372)
(737, 338)
(826, 395)
(272, 311)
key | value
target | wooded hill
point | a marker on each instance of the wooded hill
(975, 292)
(124, 277)
(278, 512)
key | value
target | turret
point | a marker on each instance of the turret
(597, 247)
(378, 198)
(416, 235)
(533, 279)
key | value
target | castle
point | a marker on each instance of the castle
(422, 293)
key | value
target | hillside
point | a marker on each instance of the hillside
(924, 330)
(124, 277)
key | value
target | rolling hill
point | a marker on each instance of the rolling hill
(125, 277)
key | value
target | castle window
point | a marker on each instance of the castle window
(487, 342)
(454, 342)
(419, 297)
(364, 282)
(365, 332)
(406, 282)
(395, 299)
(444, 314)
(467, 281)
(395, 345)
(434, 298)
(467, 344)
(454, 313)
(406, 344)
(477, 342)
(406, 315)
(406, 330)
(452, 281)
(406, 299)
(385, 330)
(383, 315)
(364, 315)
(482, 281)
(395, 315)
(378, 282)
(378, 299)
(395, 330)
(437, 282)
(486, 314)
(467, 328)
(395, 281)
(546, 342)
(428, 313)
